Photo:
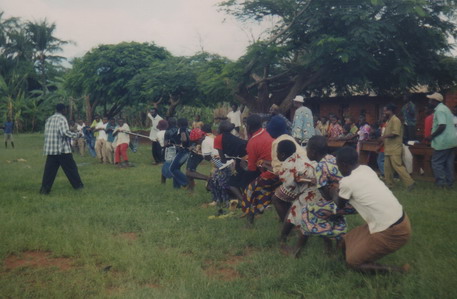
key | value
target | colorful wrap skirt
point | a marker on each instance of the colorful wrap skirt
(219, 185)
(257, 195)
(321, 218)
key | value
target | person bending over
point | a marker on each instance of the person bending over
(387, 227)
(197, 136)
(257, 195)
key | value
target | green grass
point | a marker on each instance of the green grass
(179, 252)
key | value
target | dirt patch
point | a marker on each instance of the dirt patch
(153, 285)
(129, 236)
(37, 259)
(223, 273)
(225, 270)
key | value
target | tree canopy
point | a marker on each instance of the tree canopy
(344, 46)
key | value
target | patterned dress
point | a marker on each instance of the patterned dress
(295, 174)
(310, 210)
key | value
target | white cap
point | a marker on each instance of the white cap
(299, 99)
(436, 96)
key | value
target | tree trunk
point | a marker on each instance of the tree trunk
(88, 108)
(174, 102)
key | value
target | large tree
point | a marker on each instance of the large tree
(104, 74)
(343, 46)
(197, 80)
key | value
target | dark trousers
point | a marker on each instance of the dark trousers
(409, 133)
(53, 162)
(157, 152)
(443, 166)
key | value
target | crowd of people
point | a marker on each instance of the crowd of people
(278, 163)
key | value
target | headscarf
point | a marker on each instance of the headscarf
(196, 134)
(277, 126)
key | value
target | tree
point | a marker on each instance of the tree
(342, 46)
(196, 80)
(45, 45)
(104, 74)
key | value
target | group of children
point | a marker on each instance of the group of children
(105, 139)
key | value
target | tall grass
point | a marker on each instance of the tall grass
(177, 252)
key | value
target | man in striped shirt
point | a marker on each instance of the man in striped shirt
(57, 149)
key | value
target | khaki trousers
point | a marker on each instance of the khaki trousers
(109, 152)
(394, 163)
(81, 146)
(99, 150)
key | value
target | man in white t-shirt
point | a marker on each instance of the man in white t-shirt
(100, 143)
(234, 117)
(156, 148)
(387, 227)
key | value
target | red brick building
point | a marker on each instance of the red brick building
(372, 106)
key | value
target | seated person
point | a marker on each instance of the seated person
(387, 228)
(334, 129)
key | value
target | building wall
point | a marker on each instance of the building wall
(373, 107)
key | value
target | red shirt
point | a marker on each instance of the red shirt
(259, 148)
(428, 125)
(218, 142)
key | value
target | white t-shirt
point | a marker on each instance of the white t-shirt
(208, 147)
(155, 121)
(371, 198)
(122, 137)
(101, 133)
(235, 118)
(161, 137)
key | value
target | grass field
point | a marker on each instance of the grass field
(127, 236)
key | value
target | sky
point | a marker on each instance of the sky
(183, 27)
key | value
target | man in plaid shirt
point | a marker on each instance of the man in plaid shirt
(57, 149)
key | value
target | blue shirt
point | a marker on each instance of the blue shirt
(303, 125)
(447, 139)
(8, 127)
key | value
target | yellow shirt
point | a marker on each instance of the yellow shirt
(393, 146)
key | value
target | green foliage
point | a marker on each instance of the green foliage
(28, 67)
(387, 46)
(105, 74)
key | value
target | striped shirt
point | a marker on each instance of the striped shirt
(57, 136)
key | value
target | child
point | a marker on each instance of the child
(387, 228)
(122, 144)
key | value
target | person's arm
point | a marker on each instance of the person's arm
(65, 130)
(395, 131)
(183, 137)
(150, 117)
(222, 156)
(437, 132)
(338, 200)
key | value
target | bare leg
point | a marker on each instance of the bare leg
(281, 207)
(328, 245)
(300, 244)
(286, 229)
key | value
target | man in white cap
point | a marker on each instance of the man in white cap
(444, 142)
(303, 125)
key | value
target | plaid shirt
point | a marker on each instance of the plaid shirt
(57, 136)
